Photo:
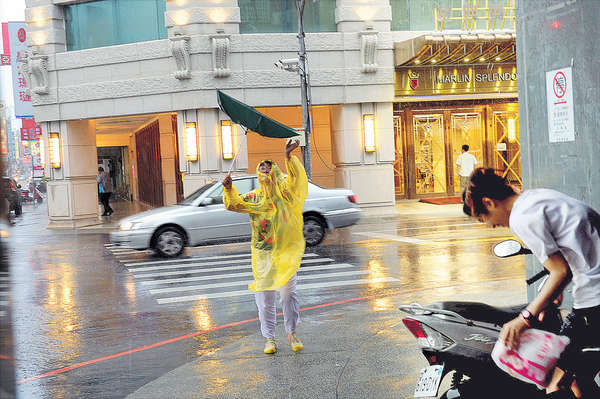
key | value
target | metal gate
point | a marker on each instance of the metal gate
(147, 142)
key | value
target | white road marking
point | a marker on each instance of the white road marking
(235, 283)
(215, 269)
(162, 301)
(420, 228)
(196, 259)
(3, 285)
(186, 265)
(3, 303)
(244, 274)
(390, 237)
(4, 278)
(3, 293)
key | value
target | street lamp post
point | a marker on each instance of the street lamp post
(304, 89)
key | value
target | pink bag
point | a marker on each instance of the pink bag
(535, 359)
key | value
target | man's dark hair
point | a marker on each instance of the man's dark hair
(465, 147)
(100, 169)
(484, 182)
(266, 162)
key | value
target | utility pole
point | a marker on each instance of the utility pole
(304, 88)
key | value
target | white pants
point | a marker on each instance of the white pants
(267, 308)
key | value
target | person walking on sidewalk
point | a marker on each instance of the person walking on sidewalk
(564, 235)
(466, 163)
(105, 188)
(275, 210)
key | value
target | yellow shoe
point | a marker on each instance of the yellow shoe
(270, 347)
(295, 342)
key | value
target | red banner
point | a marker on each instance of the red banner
(5, 56)
(29, 129)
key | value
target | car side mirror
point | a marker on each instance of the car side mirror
(207, 201)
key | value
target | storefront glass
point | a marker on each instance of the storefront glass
(466, 129)
(430, 154)
(281, 16)
(399, 175)
(507, 149)
(111, 22)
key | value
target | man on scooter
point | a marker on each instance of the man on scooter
(564, 234)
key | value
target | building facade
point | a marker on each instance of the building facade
(131, 85)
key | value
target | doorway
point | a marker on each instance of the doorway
(115, 161)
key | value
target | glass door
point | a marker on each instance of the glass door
(507, 149)
(466, 129)
(430, 154)
(399, 159)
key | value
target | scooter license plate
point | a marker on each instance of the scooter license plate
(429, 382)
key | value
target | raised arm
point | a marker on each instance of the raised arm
(238, 203)
(296, 183)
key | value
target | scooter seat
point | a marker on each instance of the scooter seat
(478, 311)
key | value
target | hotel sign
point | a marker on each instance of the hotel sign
(444, 80)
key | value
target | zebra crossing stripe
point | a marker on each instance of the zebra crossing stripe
(244, 282)
(162, 301)
(185, 265)
(215, 269)
(195, 259)
(4, 278)
(3, 303)
(244, 274)
(3, 285)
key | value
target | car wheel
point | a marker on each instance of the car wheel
(18, 210)
(314, 231)
(169, 242)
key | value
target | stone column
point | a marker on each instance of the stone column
(202, 17)
(358, 15)
(369, 174)
(45, 26)
(72, 189)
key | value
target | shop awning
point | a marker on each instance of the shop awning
(455, 49)
(245, 115)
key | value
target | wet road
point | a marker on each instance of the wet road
(95, 321)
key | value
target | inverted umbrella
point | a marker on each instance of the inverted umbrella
(250, 118)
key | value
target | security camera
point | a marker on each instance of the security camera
(288, 64)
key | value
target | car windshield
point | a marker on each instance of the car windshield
(194, 196)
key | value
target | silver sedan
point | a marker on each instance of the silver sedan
(202, 218)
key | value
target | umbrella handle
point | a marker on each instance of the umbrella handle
(237, 152)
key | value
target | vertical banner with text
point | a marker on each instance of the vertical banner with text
(17, 35)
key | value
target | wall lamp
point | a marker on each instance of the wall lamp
(227, 139)
(191, 146)
(54, 150)
(512, 130)
(369, 132)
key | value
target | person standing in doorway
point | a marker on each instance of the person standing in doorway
(278, 244)
(466, 163)
(105, 189)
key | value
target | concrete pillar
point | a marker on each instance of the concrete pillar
(359, 15)
(202, 17)
(210, 164)
(72, 189)
(45, 27)
(369, 174)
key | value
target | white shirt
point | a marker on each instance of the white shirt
(467, 162)
(547, 222)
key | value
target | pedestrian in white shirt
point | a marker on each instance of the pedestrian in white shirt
(466, 163)
(564, 234)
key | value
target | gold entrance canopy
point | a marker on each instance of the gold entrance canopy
(456, 49)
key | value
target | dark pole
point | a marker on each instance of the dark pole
(306, 158)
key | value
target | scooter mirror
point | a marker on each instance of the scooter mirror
(507, 248)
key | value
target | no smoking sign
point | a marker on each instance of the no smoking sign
(559, 84)
(559, 97)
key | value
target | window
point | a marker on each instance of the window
(110, 22)
(281, 16)
(242, 186)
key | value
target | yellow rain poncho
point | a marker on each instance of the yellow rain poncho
(276, 219)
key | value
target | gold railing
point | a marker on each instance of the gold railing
(495, 17)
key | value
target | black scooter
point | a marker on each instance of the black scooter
(457, 339)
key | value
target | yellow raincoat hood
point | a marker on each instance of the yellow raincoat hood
(275, 210)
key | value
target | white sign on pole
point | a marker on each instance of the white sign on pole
(559, 94)
(17, 35)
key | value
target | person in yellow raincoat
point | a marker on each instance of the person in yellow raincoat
(275, 210)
